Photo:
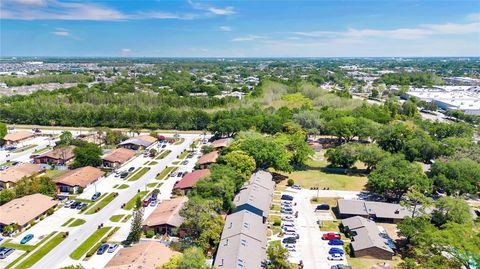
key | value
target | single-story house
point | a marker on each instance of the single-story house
(188, 181)
(366, 239)
(166, 216)
(138, 142)
(57, 156)
(243, 242)
(144, 255)
(117, 157)
(208, 159)
(378, 211)
(256, 194)
(93, 138)
(221, 143)
(78, 178)
(17, 137)
(23, 211)
(10, 176)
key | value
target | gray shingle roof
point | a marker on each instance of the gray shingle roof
(365, 234)
(379, 209)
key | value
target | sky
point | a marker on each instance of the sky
(245, 28)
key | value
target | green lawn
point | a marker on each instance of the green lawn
(18, 150)
(89, 243)
(151, 185)
(179, 141)
(139, 174)
(101, 204)
(126, 218)
(153, 163)
(165, 172)
(183, 155)
(175, 162)
(163, 154)
(367, 263)
(68, 222)
(77, 222)
(18, 246)
(54, 173)
(123, 186)
(39, 151)
(41, 252)
(130, 204)
(116, 218)
(313, 176)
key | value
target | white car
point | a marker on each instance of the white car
(335, 257)
(291, 234)
(290, 247)
(68, 203)
(287, 218)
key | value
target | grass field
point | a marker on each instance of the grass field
(18, 150)
(101, 204)
(165, 172)
(179, 141)
(123, 186)
(116, 218)
(54, 173)
(175, 162)
(313, 176)
(153, 163)
(366, 263)
(151, 185)
(163, 154)
(130, 204)
(139, 174)
(77, 222)
(89, 243)
(68, 222)
(183, 155)
(42, 251)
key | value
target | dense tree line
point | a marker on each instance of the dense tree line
(12, 81)
(417, 79)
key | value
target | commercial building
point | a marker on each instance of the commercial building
(208, 159)
(138, 143)
(81, 177)
(23, 211)
(144, 255)
(10, 176)
(117, 157)
(366, 239)
(378, 211)
(17, 137)
(166, 216)
(58, 156)
(188, 181)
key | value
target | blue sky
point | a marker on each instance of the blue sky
(247, 28)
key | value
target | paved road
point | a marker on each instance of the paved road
(24, 156)
(63, 250)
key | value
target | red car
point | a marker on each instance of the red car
(331, 236)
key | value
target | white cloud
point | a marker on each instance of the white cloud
(473, 17)
(247, 38)
(29, 2)
(213, 10)
(225, 28)
(125, 52)
(61, 33)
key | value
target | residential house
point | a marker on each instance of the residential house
(143, 255)
(117, 157)
(208, 159)
(140, 142)
(93, 138)
(17, 137)
(81, 177)
(166, 216)
(57, 156)
(256, 194)
(10, 176)
(23, 211)
(378, 211)
(188, 181)
(221, 143)
(366, 239)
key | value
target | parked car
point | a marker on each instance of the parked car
(297, 187)
(81, 205)
(288, 225)
(336, 250)
(153, 203)
(290, 247)
(131, 169)
(340, 266)
(335, 242)
(26, 238)
(286, 211)
(335, 257)
(69, 203)
(95, 196)
(289, 240)
(286, 197)
(322, 207)
(5, 252)
(124, 175)
(331, 236)
(163, 146)
(112, 248)
(102, 249)
(173, 174)
(74, 204)
(290, 230)
(1, 239)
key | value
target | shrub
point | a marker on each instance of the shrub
(277, 222)
(150, 233)
(50, 211)
(290, 182)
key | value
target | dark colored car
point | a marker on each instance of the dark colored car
(75, 204)
(81, 205)
(102, 249)
(287, 197)
(336, 250)
(27, 238)
(95, 196)
(322, 207)
(331, 236)
(335, 242)
(124, 175)
(131, 169)
(289, 240)
(164, 146)
(5, 252)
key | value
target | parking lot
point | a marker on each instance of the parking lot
(300, 220)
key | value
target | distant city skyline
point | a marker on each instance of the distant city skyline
(239, 28)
